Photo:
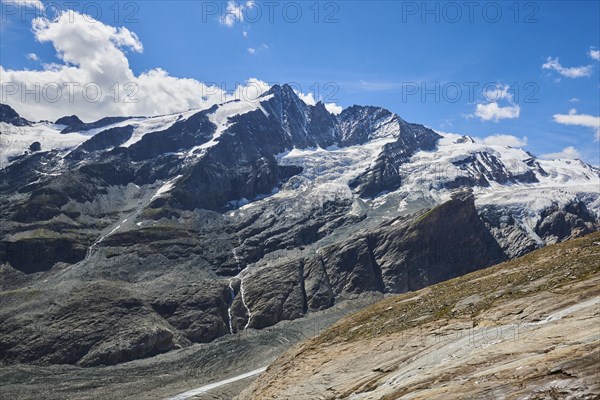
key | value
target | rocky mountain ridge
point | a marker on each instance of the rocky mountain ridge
(235, 217)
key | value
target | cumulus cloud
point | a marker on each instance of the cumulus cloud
(499, 92)
(569, 72)
(570, 153)
(493, 111)
(235, 13)
(251, 50)
(95, 80)
(572, 118)
(504, 140)
(309, 99)
(33, 57)
(334, 108)
(594, 53)
(251, 89)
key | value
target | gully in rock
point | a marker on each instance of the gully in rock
(243, 298)
(232, 293)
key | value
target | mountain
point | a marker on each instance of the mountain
(527, 327)
(9, 115)
(129, 237)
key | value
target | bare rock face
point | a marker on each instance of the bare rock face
(503, 330)
(104, 140)
(572, 220)
(198, 312)
(411, 253)
(488, 168)
(351, 267)
(213, 184)
(402, 255)
(69, 120)
(398, 256)
(274, 293)
(74, 124)
(99, 324)
(35, 254)
(512, 238)
(10, 116)
(35, 146)
(555, 224)
(319, 293)
(446, 242)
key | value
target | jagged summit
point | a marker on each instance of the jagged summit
(10, 116)
(71, 120)
(281, 90)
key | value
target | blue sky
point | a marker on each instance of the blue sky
(350, 52)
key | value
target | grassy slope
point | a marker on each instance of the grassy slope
(578, 259)
(548, 274)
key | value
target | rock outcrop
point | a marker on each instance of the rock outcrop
(527, 327)
(10, 116)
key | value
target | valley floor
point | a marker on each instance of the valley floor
(528, 329)
(171, 374)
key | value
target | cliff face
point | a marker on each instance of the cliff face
(401, 255)
(527, 328)
(410, 253)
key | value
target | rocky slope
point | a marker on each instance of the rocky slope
(170, 374)
(129, 237)
(128, 314)
(526, 329)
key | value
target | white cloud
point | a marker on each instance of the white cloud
(334, 108)
(261, 48)
(594, 53)
(251, 89)
(26, 3)
(235, 13)
(574, 100)
(569, 72)
(492, 111)
(572, 118)
(33, 57)
(568, 153)
(309, 99)
(504, 140)
(94, 54)
(245, 33)
(500, 92)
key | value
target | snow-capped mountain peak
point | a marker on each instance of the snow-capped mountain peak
(274, 148)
